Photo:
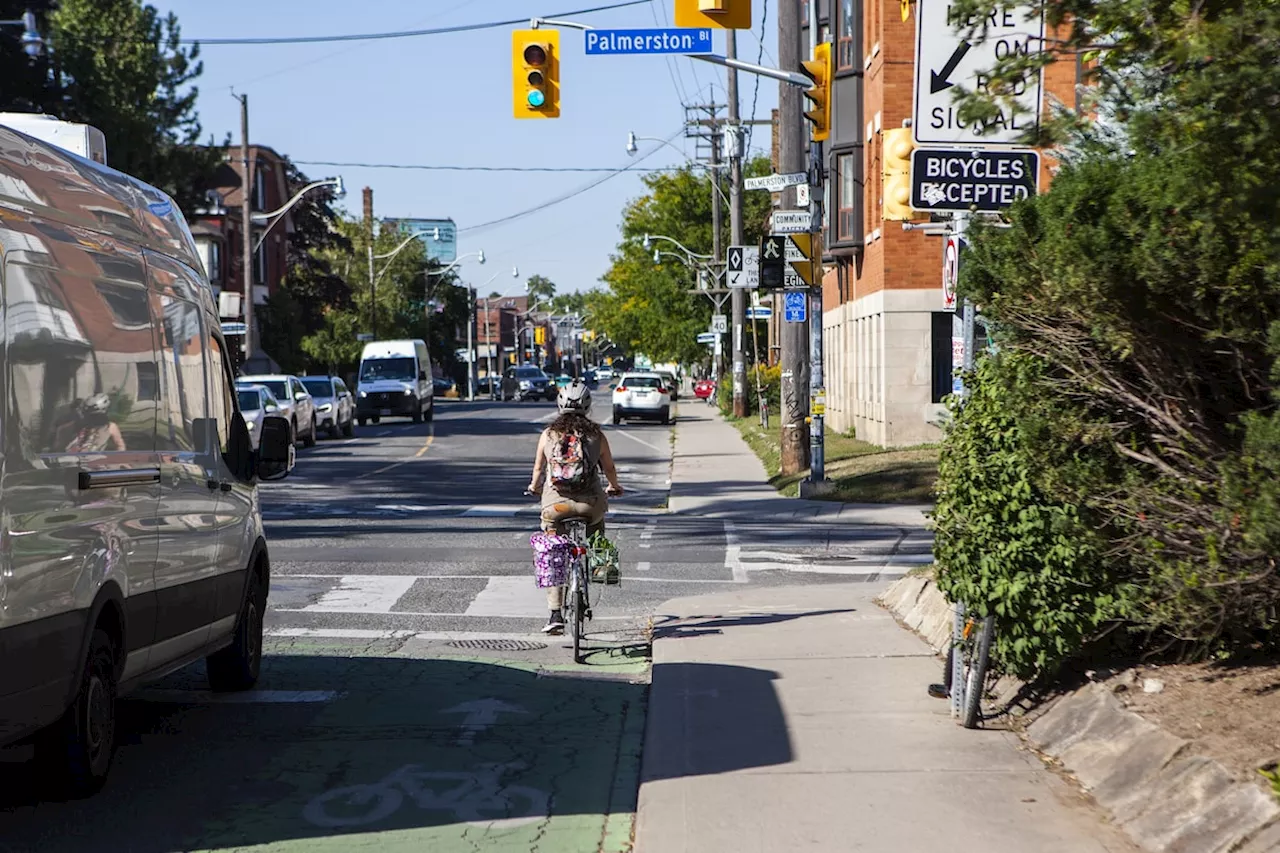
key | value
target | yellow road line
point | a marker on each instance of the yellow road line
(431, 437)
(426, 446)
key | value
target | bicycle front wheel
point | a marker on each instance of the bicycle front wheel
(976, 677)
(579, 613)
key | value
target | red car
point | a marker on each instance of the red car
(704, 389)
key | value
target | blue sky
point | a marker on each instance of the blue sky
(446, 100)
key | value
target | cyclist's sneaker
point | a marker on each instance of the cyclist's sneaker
(555, 625)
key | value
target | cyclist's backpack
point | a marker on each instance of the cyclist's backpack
(569, 468)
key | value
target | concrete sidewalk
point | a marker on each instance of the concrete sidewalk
(791, 718)
(715, 474)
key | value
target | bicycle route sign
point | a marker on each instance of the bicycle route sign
(743, 266)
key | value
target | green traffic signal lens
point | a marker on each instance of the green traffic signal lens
(536, 98)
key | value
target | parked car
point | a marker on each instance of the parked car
(489, 386)
(704, 389)
(642, 396)
(527, 382)
(295, 403)
(133, 544)
(335, 407)
(604, 374)
(256, 404)
(673, 384)
(443, 386)
(395, 379)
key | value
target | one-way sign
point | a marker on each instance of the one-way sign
(971, 178)
(776, 183)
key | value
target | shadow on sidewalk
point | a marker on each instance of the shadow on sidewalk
(674, 627)
(690, 735)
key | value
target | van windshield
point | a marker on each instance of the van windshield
(388, 368)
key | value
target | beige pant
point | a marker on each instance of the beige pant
(556, 508)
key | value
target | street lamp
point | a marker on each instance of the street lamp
(647, 242)
(632, 149)
(32, 43)
(276, 216)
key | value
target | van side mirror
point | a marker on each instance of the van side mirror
(275, 449)
(239, 455)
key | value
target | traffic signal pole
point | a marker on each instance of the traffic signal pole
(792, 150)
(817, 428)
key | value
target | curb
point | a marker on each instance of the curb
(1165, 797)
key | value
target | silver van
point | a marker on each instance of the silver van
(130, 538)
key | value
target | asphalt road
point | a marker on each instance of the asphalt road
(408, 700)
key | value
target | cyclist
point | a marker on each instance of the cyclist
(571, 452)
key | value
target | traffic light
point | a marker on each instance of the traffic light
(896, 157)
(535, 73)
(718, 14)
(821, 70)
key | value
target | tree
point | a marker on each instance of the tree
(119, 66)
(540, 289)
(647, 307)
(1136, 306)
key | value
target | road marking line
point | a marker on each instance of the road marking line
(425, 447)
(363, 594)
(383, 433)
(201, 697)
(641, 440)
(506, 596)
(431, 437)
(733, 553)
(646, 535)
(492, 511)
(643, 567)
(341, 633)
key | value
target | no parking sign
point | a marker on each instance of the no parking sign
(951, 271)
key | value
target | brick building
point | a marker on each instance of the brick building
(887, 338)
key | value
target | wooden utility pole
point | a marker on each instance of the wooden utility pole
(793, 152)
(739, 296)
(368, 233)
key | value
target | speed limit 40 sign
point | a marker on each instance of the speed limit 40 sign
(951, 271)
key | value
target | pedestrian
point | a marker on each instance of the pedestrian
(572, 451)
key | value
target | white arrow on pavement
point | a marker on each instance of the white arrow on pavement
(480, 715)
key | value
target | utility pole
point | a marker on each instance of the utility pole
(368, 228)
(817, 428)
(717, 250)
(246, 230)
(471, 346)
(792, 157)
(734, 138)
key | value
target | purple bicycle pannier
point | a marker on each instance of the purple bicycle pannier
(552, 555)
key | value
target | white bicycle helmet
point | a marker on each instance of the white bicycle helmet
(574, 397)
(96, 404)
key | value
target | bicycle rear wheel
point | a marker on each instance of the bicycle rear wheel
(976, 676)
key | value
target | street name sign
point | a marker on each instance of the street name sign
(776, 183)
(707, 338)
(794, 306)
(947, 61)
(630, 42)
(742, 266)
(234, 328)
(759, 312)
(972, 179)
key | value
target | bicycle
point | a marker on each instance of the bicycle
(577, 597)
(965, 676)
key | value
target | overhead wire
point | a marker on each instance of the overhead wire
(399, 34)
(755, 95)
(451, 168)
(629, 167)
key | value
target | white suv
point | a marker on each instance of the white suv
(642, 395)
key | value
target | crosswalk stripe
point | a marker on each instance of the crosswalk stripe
(363, 594)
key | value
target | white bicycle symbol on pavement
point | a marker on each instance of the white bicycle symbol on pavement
(477, 798)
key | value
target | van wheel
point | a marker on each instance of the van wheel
(360, 421)
(76, 751)
(310, 440)
(376, 419)
(237, 666)
(417, 410)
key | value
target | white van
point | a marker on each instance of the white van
(132, 541)
(395, 379)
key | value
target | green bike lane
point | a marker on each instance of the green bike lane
(347, 745)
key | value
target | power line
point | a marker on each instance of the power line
(399, 34)
(433, 168)
(630, 167)
(755, 96)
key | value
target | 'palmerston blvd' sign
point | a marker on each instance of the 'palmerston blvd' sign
(972, 179)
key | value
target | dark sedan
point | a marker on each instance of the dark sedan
(527, 383)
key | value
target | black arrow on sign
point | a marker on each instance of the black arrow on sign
(938, 81)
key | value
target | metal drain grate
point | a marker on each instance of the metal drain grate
(498, 645)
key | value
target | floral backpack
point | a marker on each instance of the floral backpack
(570, 471)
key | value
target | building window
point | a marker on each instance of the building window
(844, 46)
(845, 198)
(260, 265)
(259, 187)
(215, 262)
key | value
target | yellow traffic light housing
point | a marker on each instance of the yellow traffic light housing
(821, 69)
(896, 159)
(720, 14)
(535, 73)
